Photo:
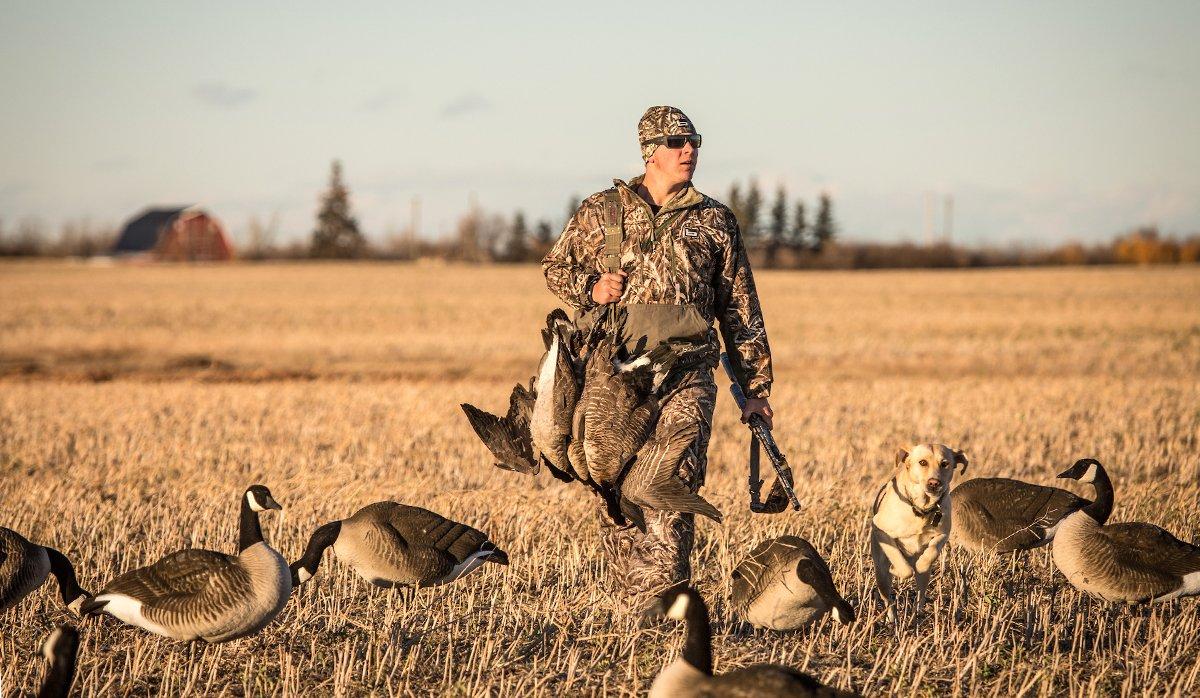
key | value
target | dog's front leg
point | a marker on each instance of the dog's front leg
(889, 562)
(924, 564)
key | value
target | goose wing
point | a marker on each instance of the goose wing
(181, 578)
(1010, 515)
(507, 437)
(653, 481)
(425, 528)
(766, 680)
(1151, 554)
(760, 568)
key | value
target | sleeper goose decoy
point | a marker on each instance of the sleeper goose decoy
(200, 594)
(59, 650)
(24, 567)
(692, 673)
(1002, 515)
(785, 584)
(391, 544)
(1130, 562)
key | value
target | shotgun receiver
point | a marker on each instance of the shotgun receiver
(781, 492)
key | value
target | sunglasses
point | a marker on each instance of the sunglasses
(676, 142)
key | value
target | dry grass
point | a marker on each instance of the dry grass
(138, 402)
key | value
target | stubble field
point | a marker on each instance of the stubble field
(136, 403)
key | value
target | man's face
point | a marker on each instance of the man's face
(675, 165)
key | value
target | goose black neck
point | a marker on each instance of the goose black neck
(321, 539)
(697, 648)
(68, 585)
(1102, 506)
(818, 578)
(249, 532)
(61, 673)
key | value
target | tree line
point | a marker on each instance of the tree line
(781, 236)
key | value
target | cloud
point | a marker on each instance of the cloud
(383, 100)
(465, 104)
(223, 95)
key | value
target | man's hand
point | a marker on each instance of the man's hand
(760, 406)
(608, 287)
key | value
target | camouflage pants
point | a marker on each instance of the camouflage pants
(645, 564)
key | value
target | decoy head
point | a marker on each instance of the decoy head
(63, 642)
(1084, 470)
(814, 575)
(673, 603)
(259, 498)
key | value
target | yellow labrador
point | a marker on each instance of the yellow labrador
(910, 521)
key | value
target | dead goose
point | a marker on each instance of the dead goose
(391, 544)
(59, 650)
(24, 567)
(199, 594)
(1130, 562)
(557, 392)
(1002, 515)
(785, 584)
(692, 673)
(653, 480)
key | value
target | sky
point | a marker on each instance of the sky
(1045, 121)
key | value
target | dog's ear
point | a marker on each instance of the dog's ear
(960, 458)
(901, 456)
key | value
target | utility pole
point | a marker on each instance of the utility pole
(948, 218)
(929, 219)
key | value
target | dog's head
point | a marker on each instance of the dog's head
(924, 471)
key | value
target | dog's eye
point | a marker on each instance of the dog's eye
(945, 464)
(924, 463)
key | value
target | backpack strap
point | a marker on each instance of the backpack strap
(614, 230)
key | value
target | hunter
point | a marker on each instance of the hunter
(673, 260)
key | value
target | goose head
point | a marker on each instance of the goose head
(259, 498)
(924, 472)
(1084, 470)
(815, 576)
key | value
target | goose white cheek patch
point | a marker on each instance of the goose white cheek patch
(678, 609)
(254, 505)
(836, 614)
(1090, 475)
(303, 575)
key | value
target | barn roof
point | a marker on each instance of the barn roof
(141, 233)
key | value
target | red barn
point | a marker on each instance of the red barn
(185, 234)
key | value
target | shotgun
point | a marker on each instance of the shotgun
(760, 433)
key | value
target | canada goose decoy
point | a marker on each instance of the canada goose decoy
(24, 567)
(692, 673)
(59, 650)
(391, 544)
(1002, 515)
(785, 584)
(1130, 562)
(200, 594)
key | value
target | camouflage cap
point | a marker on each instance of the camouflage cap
(662, 121)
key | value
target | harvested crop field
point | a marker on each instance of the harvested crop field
(137, 403)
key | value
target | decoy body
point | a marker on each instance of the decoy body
(24, 567)
(1002, 515)
(391, 544)
(59, 650)
(692, 673)
(785, 584)
(201, 594)
(1129, 562)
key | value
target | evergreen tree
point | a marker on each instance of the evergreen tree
(336, 234)
(518, 240)
(735, 203)
(824, 229)
(777, 228)
(572, 207)
(752, 207)
(544, 233)
(798, 233)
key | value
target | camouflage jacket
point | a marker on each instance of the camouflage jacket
(694, 257)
